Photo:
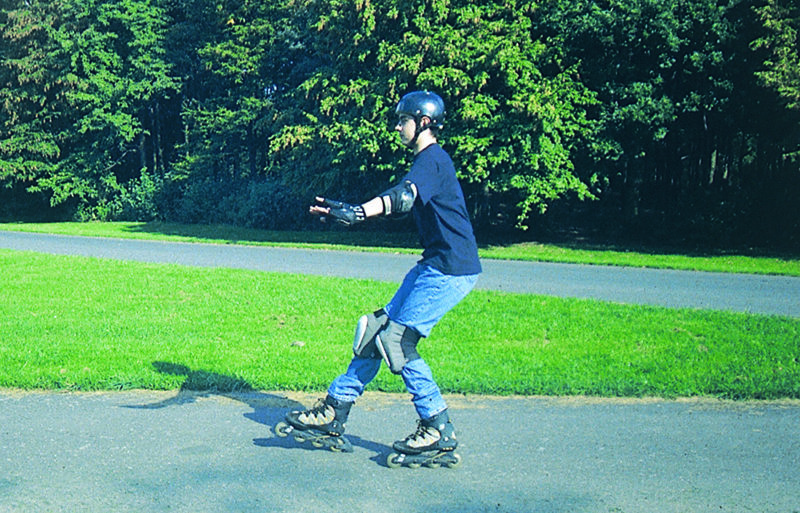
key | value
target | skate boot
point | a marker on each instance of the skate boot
(322, 425)
(433, 444)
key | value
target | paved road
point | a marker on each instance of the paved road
(773, 295)
(203, 452)
(189, 452)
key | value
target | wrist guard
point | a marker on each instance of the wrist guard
(344, 213)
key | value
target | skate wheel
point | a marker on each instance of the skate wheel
(345, 445)
(433, 464)
(282, 429)
(339, 445)
(317, 443)
(456, 461)
(414, 464)
(299, 439)
(392, 460)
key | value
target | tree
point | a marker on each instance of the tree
(33, 89)
(782, 22)
(515, 111)
(693, 131)
(236, 57)
(681, 118)
(93, 77)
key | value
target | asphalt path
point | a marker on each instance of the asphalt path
(758, 294)
(188, 452)
(183, 451)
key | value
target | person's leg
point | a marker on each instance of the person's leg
(425, 394)
(425, 296)
(406, 287)
(350, 385)
(330, 414)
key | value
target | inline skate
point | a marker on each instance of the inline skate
(433, 444)
(322, 425)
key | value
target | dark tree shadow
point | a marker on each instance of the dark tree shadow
(385, 233)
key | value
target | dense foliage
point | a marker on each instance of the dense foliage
(661, 118)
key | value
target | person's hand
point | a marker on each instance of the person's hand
(343, 213)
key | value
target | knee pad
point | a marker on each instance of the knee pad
(397, 345)
(368, 326)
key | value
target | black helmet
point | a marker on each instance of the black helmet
(423, 103)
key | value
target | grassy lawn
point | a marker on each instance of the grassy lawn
(90, 324)
(720, 261)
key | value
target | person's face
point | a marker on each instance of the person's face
(407, 127)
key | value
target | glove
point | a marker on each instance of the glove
(343, 213)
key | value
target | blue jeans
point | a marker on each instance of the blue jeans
(421, 301)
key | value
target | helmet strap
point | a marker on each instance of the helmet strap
(417, 130)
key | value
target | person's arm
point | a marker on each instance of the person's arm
(398, 199)
(341, 212)
(373, 207)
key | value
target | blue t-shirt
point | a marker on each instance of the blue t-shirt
(441, 214)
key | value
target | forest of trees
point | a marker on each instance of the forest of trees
(659, 121)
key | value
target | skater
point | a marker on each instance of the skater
(446, 273)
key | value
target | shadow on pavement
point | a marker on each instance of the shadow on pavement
(268, 409)
(380, 450)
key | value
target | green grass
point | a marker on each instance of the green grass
(720, 261)
(78, 323)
